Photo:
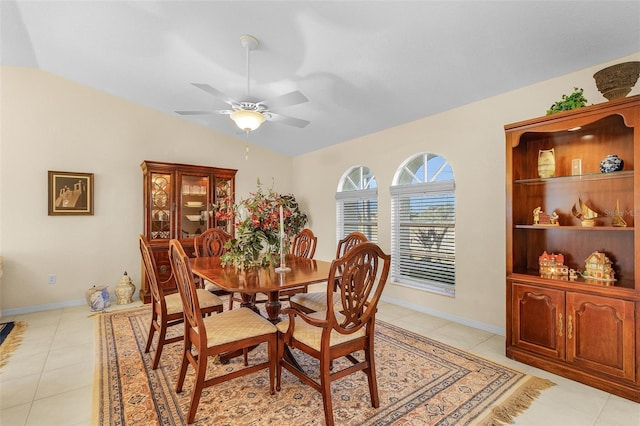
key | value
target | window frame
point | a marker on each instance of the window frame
(367, 192)
(400, 193)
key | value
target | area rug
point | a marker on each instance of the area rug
(421, 382)
(10, 337)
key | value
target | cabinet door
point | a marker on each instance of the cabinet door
(223, 198)
(160, 213)
(538, 320)
(194, 203)
(600, 334)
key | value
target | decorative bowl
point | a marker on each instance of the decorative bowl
(194, 217)
(616, 81)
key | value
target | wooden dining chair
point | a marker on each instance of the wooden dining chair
(340, 330)
(228, 331)
(303, 245)
(211, 243)
(166, 310)
(317, 301)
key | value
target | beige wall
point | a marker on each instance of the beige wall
(50, 123)
(472, 139)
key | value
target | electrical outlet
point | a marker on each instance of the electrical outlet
(51, 279)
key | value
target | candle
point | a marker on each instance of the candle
(281, 222)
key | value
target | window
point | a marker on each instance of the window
(357, 203)
(423, 224)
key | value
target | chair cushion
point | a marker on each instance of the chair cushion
(316, 301)
(234, 325)
(311, 335)
(205, 299)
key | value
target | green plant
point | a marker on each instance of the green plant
(257, 222)
(573, 101)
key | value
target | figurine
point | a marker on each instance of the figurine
(617, 219)
(552, 265)
(598, 267)
(543, 219)
(585, 213)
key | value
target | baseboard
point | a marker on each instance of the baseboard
(50, 306)
(448, 316)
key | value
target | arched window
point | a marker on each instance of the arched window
(423, 224)
(357, 203)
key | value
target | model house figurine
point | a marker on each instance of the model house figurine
(552, 265)
(544, 219)
(598, 267)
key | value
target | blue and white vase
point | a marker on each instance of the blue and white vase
(611, 163)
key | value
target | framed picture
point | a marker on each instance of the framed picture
(70, 193)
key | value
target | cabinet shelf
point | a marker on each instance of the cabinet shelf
(578, 228)
(587, 284)
(626, 174)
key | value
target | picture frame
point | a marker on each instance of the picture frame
(70, 193)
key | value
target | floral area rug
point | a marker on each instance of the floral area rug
(10, 338)
(421, 382)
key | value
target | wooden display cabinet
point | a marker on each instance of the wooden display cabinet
(586, 330)
(178, 202)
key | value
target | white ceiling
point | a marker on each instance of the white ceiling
(364, 65)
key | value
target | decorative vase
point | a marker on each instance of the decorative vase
(617, 80)
(546, 163)
(124, 290)
(98, 298)
(611, 163)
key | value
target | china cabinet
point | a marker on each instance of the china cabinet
(178, 202)
(581, 328)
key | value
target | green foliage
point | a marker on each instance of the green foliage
(573, 101)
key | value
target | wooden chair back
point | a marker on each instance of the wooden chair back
(149, 263)
(187, 289)
(304, 244)
(211, 243)
(363, 272)
(348, 242)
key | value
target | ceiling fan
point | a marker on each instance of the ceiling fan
(249, 114)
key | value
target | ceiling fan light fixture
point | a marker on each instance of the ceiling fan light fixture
(247, 120)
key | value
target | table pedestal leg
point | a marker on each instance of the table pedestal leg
(273, 307)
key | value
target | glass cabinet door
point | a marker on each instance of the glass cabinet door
(160, 206)
(194, 218)
(223, 197)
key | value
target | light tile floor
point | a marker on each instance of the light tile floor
(48, 380)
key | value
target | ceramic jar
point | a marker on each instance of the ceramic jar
(98, 298)
(546, 163)
(611, 163)
(124, 290)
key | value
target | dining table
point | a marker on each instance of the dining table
(266, 279)
(299, 272)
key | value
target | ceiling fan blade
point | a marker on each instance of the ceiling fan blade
(222, 111)
(290, 121)
(215, 92)
(288, 99)
(195, 112)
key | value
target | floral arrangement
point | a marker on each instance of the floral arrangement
(257, 226)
